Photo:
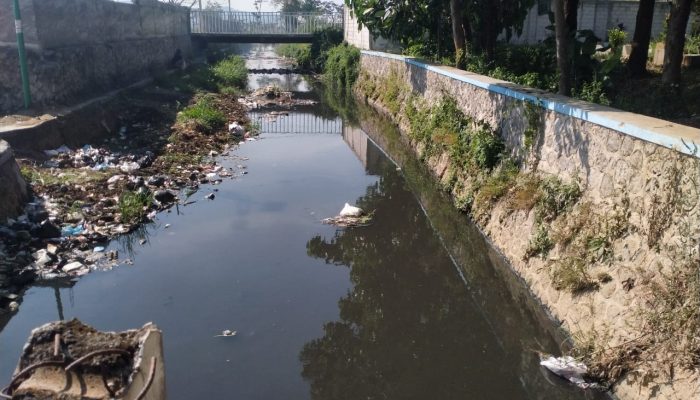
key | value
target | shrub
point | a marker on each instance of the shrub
(540, 243)
(485, 148)
(300, 53)
(231, 71)
(594, 92)
(616, 38)
(321, 44)
(555, 197)
(341, 68)
(204, 115)
(692, 44)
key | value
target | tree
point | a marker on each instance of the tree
(565, 12)
(459, 36)
(637, 64)
(675, 41)
(473, 25)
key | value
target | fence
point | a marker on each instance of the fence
(261, 23)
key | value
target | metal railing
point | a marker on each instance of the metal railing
(296, 123)
(261, 23)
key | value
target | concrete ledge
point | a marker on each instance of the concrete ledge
(13, 188)
(682, 138)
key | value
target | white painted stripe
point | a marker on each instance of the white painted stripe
(682, 138)
(18, 26)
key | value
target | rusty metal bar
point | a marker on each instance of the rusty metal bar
(95, 353)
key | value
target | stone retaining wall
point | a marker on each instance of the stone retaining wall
(648, 166)
(13, 188)
(77, 48)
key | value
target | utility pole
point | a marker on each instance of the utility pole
(22, 56)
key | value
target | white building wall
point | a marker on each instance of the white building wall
(362, 38)
(597, 15)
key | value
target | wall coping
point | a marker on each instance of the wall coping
(681, 138)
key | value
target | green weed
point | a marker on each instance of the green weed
(133, 206)
(556, 197)
(540, 243)
(231, 71)
(204, 114)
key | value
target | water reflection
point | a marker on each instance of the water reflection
(410, 328)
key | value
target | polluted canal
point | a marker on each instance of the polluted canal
(415, 305)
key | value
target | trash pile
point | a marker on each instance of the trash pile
(272, 96)
(97, 159)
(349, 217)
(85, 196)
(71, 360)
(67, 225)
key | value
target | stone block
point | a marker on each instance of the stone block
(13, 193)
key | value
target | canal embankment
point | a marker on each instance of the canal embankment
(596, 209)
(81, 48)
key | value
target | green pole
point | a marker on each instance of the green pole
(22, 56)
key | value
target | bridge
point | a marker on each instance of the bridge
(289, 123)
(259, 27)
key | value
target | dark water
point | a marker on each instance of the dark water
(415, 306)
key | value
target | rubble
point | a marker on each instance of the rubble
(71, 360)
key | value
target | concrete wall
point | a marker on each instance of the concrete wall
(81, 47)
(13, 188)
(620, 159)
(362, 38)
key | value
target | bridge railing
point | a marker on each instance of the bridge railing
(261, 23)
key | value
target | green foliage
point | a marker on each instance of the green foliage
(692, 44)
(592, 91)
(231, 71)
(485, 148)
(540, 243)
(342, 65)
(133, 206)
(527, 65)
(497, 185)
(556, 197)
(533, 114)
(204, 114)
(321, 44)
(616, 38)
(300, 53)
(312, 57)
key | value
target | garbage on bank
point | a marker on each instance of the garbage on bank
(64, 230)
(568, 368)
(70, 360)
(350, 216)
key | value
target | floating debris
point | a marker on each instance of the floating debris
(349, 217)
(227, 333)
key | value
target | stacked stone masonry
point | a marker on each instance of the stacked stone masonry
(610, 165)
(77, 48)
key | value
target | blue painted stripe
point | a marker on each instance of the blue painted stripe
(687, 143)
